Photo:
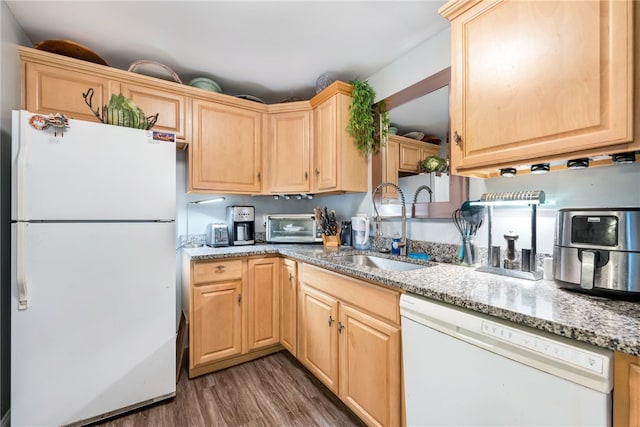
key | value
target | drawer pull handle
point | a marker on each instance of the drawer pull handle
(330, 320)
(457, 138)
(340, 327)
(219, 268)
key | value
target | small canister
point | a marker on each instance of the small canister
(395, 249)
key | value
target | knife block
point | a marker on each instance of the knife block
(331, 241)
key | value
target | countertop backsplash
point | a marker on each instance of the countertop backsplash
(448, 253)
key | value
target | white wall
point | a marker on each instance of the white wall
(12, 35)
(607, 186)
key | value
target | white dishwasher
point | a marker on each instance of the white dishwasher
(462, 368)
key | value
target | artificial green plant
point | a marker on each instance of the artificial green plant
(362, 126)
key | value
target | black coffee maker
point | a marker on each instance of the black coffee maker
(241, 225)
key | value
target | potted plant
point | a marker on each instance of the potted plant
(368, 122)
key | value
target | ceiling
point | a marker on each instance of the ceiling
(269, 49)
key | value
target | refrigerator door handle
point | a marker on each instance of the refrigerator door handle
(20, 156)
(20, 275)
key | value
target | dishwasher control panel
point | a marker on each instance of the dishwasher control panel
(579, 357)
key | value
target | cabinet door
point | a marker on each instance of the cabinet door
(288, 304)
(338, 166)
(289, 156)
(263, 314)
(51, 90)
(626, 391)
(546, 80)
(410, 155)
(325, 146)
(225, 150)
(172, 108)
(216, 322)
(318, 349)
(384, 168)
(369, 367)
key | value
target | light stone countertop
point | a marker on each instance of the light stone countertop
(604, 322)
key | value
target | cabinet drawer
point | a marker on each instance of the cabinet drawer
(377, 300)
(207, 272)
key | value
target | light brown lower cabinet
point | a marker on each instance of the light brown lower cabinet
(353, 350)
(288, 304)
(626, 390)
(233, 311)
(263, 303)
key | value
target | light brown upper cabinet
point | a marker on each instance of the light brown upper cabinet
(50, 89)
(338, 167)
(288, 151)
(224, 154)
(386, 165)
(305, 144)
(173, 108)
(536, 81)
(413, 152)
(55, 84)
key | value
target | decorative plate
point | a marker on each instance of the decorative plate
(431, 139)
(206, 84)
(70, 49)
(414, 135)
(154, 69)
(250, 98)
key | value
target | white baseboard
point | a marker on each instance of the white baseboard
(6, 419)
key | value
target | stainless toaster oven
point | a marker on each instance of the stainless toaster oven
(597, 250)
(291, 228)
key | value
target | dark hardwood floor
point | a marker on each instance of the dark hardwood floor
(272, 391)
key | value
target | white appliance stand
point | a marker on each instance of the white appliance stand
(92, 272)
(467, 369)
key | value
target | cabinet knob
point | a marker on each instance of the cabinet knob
(317, 171)
(306, 175)
(290, 276)
(239, 298)
(258, 176)
(330, 320)
(457, 138)
(340, 327)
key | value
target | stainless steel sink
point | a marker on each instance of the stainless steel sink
(380, 263)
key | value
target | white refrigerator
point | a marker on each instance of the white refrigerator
(92, 271)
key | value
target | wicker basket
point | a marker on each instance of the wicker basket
(117, 117)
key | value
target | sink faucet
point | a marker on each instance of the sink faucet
(403, 241)
(419, 189)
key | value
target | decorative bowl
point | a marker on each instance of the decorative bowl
(206, 84)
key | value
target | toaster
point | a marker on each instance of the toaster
(217, 235)
(597, 251)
